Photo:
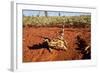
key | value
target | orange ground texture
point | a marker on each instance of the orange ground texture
(32, 35)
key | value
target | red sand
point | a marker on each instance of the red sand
(32, 35)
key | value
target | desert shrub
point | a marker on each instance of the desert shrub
(68, 21)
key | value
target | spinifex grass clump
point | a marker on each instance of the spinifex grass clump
(48, 21)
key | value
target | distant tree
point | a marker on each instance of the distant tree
(46, 14)
(38, 14)
(59, 13)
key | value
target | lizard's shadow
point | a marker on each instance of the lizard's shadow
(43, 45)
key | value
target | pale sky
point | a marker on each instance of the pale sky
(52, 13)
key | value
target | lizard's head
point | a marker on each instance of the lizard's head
(46, 39)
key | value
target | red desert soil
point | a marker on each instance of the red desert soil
(33, 35)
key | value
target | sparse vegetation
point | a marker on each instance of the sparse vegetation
(68, 21)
